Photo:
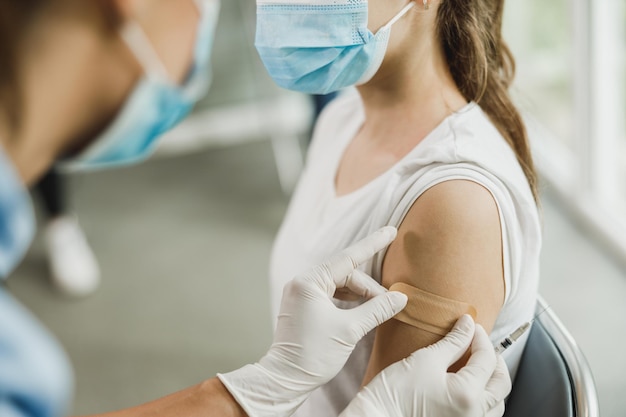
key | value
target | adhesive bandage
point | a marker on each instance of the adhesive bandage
(430, 312)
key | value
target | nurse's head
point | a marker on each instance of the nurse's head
(68, 69)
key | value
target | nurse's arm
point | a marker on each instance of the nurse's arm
(207, 399)
(450, 245)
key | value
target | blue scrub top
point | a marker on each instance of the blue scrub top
(17, 219)
(36, 379)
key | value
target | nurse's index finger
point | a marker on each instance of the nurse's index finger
(361, 284)
(342, 265)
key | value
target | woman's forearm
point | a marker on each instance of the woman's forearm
(207, 399)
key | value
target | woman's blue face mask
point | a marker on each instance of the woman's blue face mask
(156, 104)
(320, 46)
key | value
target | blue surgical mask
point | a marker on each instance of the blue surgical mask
(156, 104)
(17, 220)
(320, 46)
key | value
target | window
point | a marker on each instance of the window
(539, 35)
(571, 86)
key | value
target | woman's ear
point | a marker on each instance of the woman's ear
(112, 13)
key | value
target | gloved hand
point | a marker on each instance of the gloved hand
(420, 386)
(314, 338)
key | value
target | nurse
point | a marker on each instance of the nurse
(94, 84)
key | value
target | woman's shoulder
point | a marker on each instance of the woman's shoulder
(468, 139)
(477, 138)
(469, 147)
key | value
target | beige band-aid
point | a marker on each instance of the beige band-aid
(430, 312)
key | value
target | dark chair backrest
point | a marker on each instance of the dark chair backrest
(554, 378)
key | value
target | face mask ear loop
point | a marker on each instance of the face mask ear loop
(400, 15)
(384, 31)
(139, 44)
(196, 87)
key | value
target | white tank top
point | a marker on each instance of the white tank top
(466, 145)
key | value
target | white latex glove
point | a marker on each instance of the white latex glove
(314, 338)
(420, 386)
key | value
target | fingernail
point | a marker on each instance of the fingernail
(398, 299)
(465, 323)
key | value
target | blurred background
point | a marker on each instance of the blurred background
(183, 241)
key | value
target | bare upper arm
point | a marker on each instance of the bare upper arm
(449, 244)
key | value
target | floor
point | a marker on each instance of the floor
(184, 245)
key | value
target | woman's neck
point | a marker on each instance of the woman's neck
(402, 104)
(410, 95)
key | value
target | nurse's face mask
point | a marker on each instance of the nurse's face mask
(320, 46)
(156, 104)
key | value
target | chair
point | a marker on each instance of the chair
(554, 378)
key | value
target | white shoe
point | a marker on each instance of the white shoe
(73, 266)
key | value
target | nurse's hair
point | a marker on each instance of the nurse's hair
(17, 17)
(483, 68)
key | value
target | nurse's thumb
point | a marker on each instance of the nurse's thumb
(454, 345)
(376, 311)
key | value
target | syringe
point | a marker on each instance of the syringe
(508, 341)
(513, 337)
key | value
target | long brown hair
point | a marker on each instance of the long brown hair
(483, 68)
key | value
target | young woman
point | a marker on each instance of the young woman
(97, 82)
(429, 142)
